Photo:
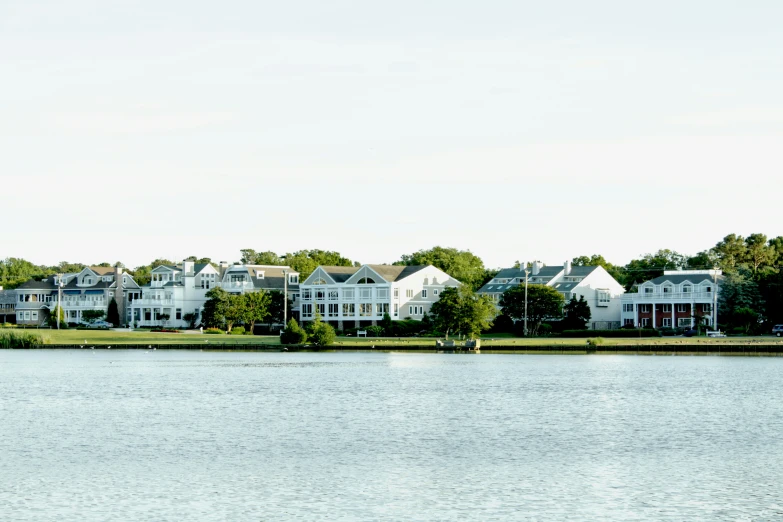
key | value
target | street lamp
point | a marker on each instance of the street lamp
(59, 308)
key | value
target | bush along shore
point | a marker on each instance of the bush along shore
(14, 339)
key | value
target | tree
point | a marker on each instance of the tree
(738, 290)
(731, 252)
(386, 324)
(543, 302)
(306, 261)
(93, 315)
(215, 308)
(51, 319)
(460, 310)
(190, 317)
(462, 265)
(651, 266)
(576, 314)
(143, 274)
(758, 251)
(293, 333)
(69, 268)
(251, 257)
(276, 314)
(746, 318)
(113, 313)
(14, 271)
(321, 333)
(256, 308)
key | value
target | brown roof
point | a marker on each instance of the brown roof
(102, 270)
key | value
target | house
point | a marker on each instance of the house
(7, 306)
(601, 291)
(675, 299)
(175, 291)
(91, 289)
(360, 296)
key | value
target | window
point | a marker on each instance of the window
(321, 308)
(409, 293)
(306, 294)
(708, 289)
(435, 292)
(667, 289)
(666, 308)
(349, 294)
(349, 309)
(365, 293)
(333, 295)
(365, 309)
(686, 289)
(320, 293)
(333, 309)
(381, 308)
(628, 322)
(396, 293)
(424, 294)
(667, 322)
(366, 281)
(684, 321)
(645, 308)
(178, 315)
(382, 293)
(682, 308)
(603, 297)
(627, 307)
(706, 307)
(648, 289)
(293, 279)
(645, 322)
(307, 310)
(396, 309)
(259, 274)
(34, 315)
(319, 281)
(415, 310)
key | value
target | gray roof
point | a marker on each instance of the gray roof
(564, 287)
(7, 296)
(340, 274)
(46, 284)
(681, 278)
(389, 273)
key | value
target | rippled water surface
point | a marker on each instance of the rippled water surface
(168, 435)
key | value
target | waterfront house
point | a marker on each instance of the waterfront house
(7, 306)
(176, 291)
(600, 290)
(352, 296)
(90, 289)
(678, 298)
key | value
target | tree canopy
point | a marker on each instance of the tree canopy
(460, 310)
(543, 302)
(462, 265)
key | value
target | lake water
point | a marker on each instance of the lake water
(169, 435)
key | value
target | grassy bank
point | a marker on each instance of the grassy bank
(140, 337)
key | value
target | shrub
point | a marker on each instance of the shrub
(645, 332)
(321, 333)
(374, 331)
(20, 340)
(293, 333)
(237, 330)
(214, 331)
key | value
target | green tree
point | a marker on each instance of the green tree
(215, 308)
(738, 290)
(306, 261)
(51, 319)
(651, 266)
(576, 314)
(276, 314)
(386, 324)
(256, 308)
(69, 268)
(293, 333)
(251, 257)
(731, 252)
(113, 313)
(543, 302)
(91, 316)
(14, 271)
(321, 333)
(746, 318)
(758, 252)
(462, 265)
(143, 274)
(462, 311)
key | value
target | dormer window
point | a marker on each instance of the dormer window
(259, 274)
(293, 279)
(686, 289)
(648, 289)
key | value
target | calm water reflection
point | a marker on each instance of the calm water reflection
(129, 435)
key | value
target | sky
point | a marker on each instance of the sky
(518, 130)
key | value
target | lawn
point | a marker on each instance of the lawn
(120, 337)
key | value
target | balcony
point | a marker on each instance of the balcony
(684, 297)
(236, 286)
(152, 302)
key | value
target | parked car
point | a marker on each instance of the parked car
(102, 324)
(777, 330)
(689, 333)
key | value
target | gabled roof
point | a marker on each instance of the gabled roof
(46, 284)
(393, 273)
(340, 274)
(102, 270)
(677, 279)
(582, 271)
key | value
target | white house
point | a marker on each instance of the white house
(91, 289)
(360, 296)
(176, 291)
(674, 299)
(601, 291)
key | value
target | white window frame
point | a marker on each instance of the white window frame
(682, 307)
(424, 293)
(667, 322)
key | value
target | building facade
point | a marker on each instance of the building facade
(677, 299)
(353, 297)
(91, 289)
(600, 290)
(176, 291)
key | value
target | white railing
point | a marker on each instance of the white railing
(152, 302)
(669, 296)
(236, 285)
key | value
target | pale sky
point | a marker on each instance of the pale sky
(520, 130)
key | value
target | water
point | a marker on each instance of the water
(168, 435)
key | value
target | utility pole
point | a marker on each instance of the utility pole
(59, 308)
(285, 298)
(715, 300)
(526, 273)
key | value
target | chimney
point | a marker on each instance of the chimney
(188, 267)
(567, 268)
(536, 267)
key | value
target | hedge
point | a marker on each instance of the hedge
(644, 332)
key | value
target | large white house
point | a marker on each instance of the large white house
(675, 299)
(601, 291)
(360, 296)
(91, 289)
(176, 291)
